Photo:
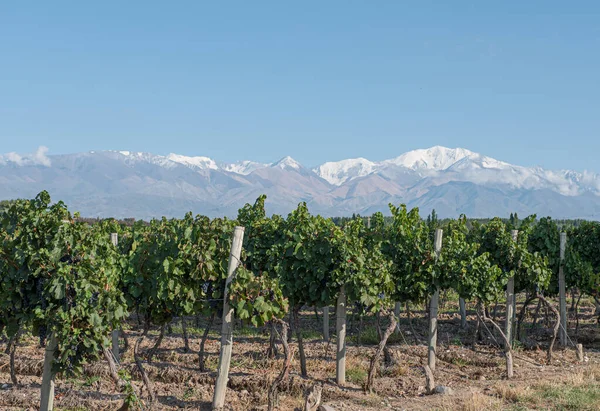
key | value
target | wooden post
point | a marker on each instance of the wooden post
(326, 323)
(514, 319)
(114, 238)
(47, 396)
(398, 305)
(510, 300)
(580, 356)
(562, 292)
(463, 312)
(227, 328)
(340, 369)
(429, 380)
(397, 309)
(433, 309)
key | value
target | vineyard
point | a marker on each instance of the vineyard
(288, 313)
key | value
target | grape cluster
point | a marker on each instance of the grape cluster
(26, 299)
(70, 300)
(208, 290)
(43, 334)
(75, 359)
(360, 307)
(69, 259)
(93, 301)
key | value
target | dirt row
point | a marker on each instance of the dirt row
(474, 373)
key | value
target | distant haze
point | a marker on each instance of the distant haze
(451, 181)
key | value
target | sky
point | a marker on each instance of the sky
(317, 80)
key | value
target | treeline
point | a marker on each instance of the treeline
(435, 222)
(432, 219)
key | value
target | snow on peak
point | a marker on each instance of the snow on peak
(338, 172)
(243, 167)
(476, 161)
(434, 158)
(287, 162)
(194, 162)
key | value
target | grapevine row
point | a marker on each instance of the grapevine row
(66, 282)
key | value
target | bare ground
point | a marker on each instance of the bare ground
(476, 373)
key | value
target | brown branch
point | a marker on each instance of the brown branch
(272, 350)
(410, 323)
(285, 371)
(556, 326)
(528, 301)
(140, 366)
(507, 347)
(13, 348)
(112, 369)
(186, 340)
(389, 331)
(152, 352)
(296, 317)
(203, 342)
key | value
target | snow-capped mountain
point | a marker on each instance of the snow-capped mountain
(423, 161)
(435, 158)
(337, 173)
(287, 163)
(243, 167)
(145, 185)
(199, 162)
(441, 165)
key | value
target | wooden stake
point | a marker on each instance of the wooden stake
(47, 397)
(114, 238)
(562, 292)
(429, 380)
(227, 328)
(340, 369)
(326, 323)
(397, 309)
(433, 309)
(463, 312)
(580, 357)
(510, 300)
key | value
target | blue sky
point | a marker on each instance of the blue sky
(317, 80)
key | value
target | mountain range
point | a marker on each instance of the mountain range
(452, 181)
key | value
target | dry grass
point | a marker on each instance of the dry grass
(474, 374)
(396, 371)
(478, 402)
(578, 390)
(512, 393)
